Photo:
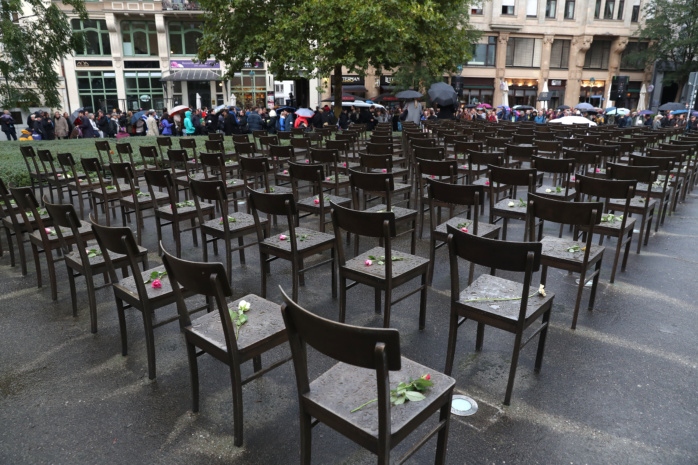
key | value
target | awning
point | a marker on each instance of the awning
(193, 75)
(354, 88)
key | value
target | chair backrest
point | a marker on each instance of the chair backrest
(563, 212)
(162, 179)
(245, 148)
(445, 168)
(272, 204)
(456, 194)
(65, 216)
(240, 138)
(188, 143)
(553, 165)
(665, 164)
(605, 188)
(313, 173)
(28, 207)
(149, 153)
(379, 149)
(511, 176)
(493, 253)
(429, 153)
(583, 158)
(216, 136)
(119, 240)
(483, 158)
(646, 174)
(281, 151)
(461, 148)
(207, 279)
(164, 141)
(125, 151)
(369, 348)
(370, 162)
(211, 192)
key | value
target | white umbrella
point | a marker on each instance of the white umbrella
(178, 108)
(643, 96)
(198, 100)
(573, 120)
(608, 98)
(505, 92)
(544, 104)
(305, 112)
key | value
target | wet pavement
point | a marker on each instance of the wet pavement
(620, 389)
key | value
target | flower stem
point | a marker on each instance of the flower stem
(364, 405)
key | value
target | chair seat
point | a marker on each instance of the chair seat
(84, 184)
(493, 287)
(554, 194)
(483, 229)
(517, 210)
(613, 227)
(400, 213)
(635, 203)
(125, 189)
(308, 203)
(344, 387)
(85, 230)
(184, 180)
(656, 190)
(275, 189)
(305, 239)
(400, 267)
(264, 325)
(144, 199)
(73, 258)
(186, 212)
(243, 221)
(127, 286)
(556, 248)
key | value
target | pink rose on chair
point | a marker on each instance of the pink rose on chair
(156, 284)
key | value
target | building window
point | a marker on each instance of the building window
(144, 90)
(184, 38)
(176, 93)
(628, 59)
(550, 8)
(608, 10)
(97, 90)
(636, 11)
(621, 7)
(560, 54)
(96, 36)
(476, 8)
(140, 38)
(597, 55)
(508, 7)
(569, 9)
(250, 87)
(597, 9)
(484, 53)
(523, 53)
(532, 8)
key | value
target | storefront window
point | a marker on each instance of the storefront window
(477, 96)
(97, 90)
(140, 38)
(250, 88)
(96, 36)
(184, 37)
(144, 90)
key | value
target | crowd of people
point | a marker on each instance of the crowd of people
(201, 121)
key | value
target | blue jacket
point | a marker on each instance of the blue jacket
(254, 121)
(166, 127)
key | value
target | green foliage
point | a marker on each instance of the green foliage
(673, 29)
(313, 38)
(31, 47)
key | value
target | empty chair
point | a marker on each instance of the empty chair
(518, 304)
(371, 362)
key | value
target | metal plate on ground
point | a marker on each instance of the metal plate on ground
(463, 406)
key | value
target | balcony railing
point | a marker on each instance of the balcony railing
(180, 5)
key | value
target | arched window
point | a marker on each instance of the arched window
(184, 37)
(140, 38)
(96, 36)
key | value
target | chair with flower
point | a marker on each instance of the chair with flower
(381, 267)
(232, 333)
(504, 304)
(512, 206)
(369, 364)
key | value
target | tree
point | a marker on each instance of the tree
(314, 38)
(30, 48)
(672, 29)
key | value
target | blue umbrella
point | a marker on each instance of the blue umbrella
(289, 109)
(584, 106)
(678, 112)
(646, 112)
(135, 116)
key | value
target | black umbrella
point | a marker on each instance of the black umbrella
(563, 107)
(443, 94)
(408, 94)
(470, 106)
(671, 106)
(522, 107)
(387, 97)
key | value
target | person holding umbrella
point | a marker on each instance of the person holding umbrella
(414, 112)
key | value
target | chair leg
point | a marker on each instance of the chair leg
(480, 336)
(432, 258)
(334, 273)
(387, 305)
(122, 326)
(306, 437)
(295, 269)
(194, 374)
(147, 313)
(452, 336)
(377, 300)
(616, 257)
(594, 284)
(89, 280)
(263, 260)
(229, 260)
(158, 230)
(578, 300)
(442, 438)
(37, 264)
(342, 298)
(10, 248)
(627, 250)
(512, 369)
(73, 293)
(541, 342)
(423, 303)
(237, 408)
(50, 264)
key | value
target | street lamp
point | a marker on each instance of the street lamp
(254, 89)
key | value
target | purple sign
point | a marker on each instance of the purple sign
(188, 64)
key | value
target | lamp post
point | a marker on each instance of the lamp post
(254, 89)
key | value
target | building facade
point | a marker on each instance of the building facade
(140, 55)
(575, 46)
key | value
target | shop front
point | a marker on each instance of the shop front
(353, 84)
(593, 92)
(194, 84)
(475, 91)
(250, 85)
(143, 87)
(96, 87)
(523, 92)
(556, 93)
